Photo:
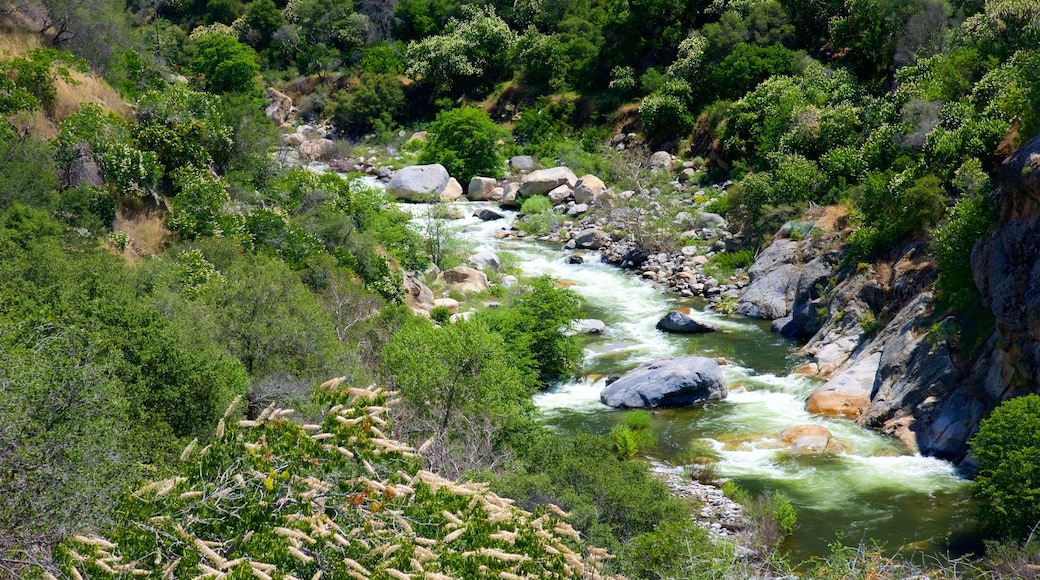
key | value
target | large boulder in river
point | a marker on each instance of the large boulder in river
(452, 191)
(810, 440)
(543, 181)
(847, 394)
(669, 382)
(480, 188)
(680, 321)
(590, 239)
(419, 182)
(465, 279)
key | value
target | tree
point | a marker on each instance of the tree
(1007, 485)
(534, 326)
(457, 368)
(475, 51)
(375, 103)
(465, 142)
(225, 64)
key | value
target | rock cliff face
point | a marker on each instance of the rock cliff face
(1006, 267)
(874, 335)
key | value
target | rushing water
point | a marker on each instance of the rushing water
(875, 490)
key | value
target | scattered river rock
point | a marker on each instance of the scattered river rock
(680, 321)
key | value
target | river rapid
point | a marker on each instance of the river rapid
(874, 491)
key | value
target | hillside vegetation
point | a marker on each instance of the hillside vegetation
(157, 263)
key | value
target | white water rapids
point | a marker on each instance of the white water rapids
(875, 490)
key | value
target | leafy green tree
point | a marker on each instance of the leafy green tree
(225, 65)
(466, 142)
(374, 104)
(271, 322)
(65, 456)
(747, 66)
(534, 326)
(456, 369)
(262, 19)
(1007, 485)
(471, 52)
(37, 71)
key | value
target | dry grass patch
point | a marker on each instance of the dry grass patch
(148, 233)
(15, 41)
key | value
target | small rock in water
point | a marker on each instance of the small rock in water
(575, 259)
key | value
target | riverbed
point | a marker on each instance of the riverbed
(874, 491)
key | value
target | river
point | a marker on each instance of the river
(875, 490)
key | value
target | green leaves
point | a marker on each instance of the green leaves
(1007, 448)
(225, 64)
(465, 142)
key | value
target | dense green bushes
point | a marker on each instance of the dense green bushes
(1007, 448)
(466, 142)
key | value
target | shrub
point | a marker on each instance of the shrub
(374, 104)
(225, 64)
(466, 142)
(535, 205)
(966, 223)
(1007, 448)
(665, 116)
(635, 436)
(441, 314)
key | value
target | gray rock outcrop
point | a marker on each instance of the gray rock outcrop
(418, 182)
(774, 280)
(543, 181)
(670, 382)
(588, 188)
(279, 106)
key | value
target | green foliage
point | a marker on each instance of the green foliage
(374, 104)
(465, 142)
(269, 320)
(611, 501)
(966, 222)
(28, 175)
(534, 328)
(124, 167)
(198, 207)
(441, 315)
(36, 72)
(471, 52)
(225, 65)
(1007, 485)
(892, 210)
(348, 481)
(676, 550)
(634, 436)
(665, 116)
(747, 66)
(67, 454)
(536, 204)
(456, 370)
(184, 129)
(724, 264)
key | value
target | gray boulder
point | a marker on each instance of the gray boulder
(588, 326)
(770, 296)
(543, 181)
(522, 162)
(419, 182)
(465, 279)
(485, 259)
(451, 191)
(670, 382)
(318, 149)
(489, 215)
(591, 239)
(588, 188)
(680, 321)
(480, 188)
(279, 106)
(810, 295)
(661, 160)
